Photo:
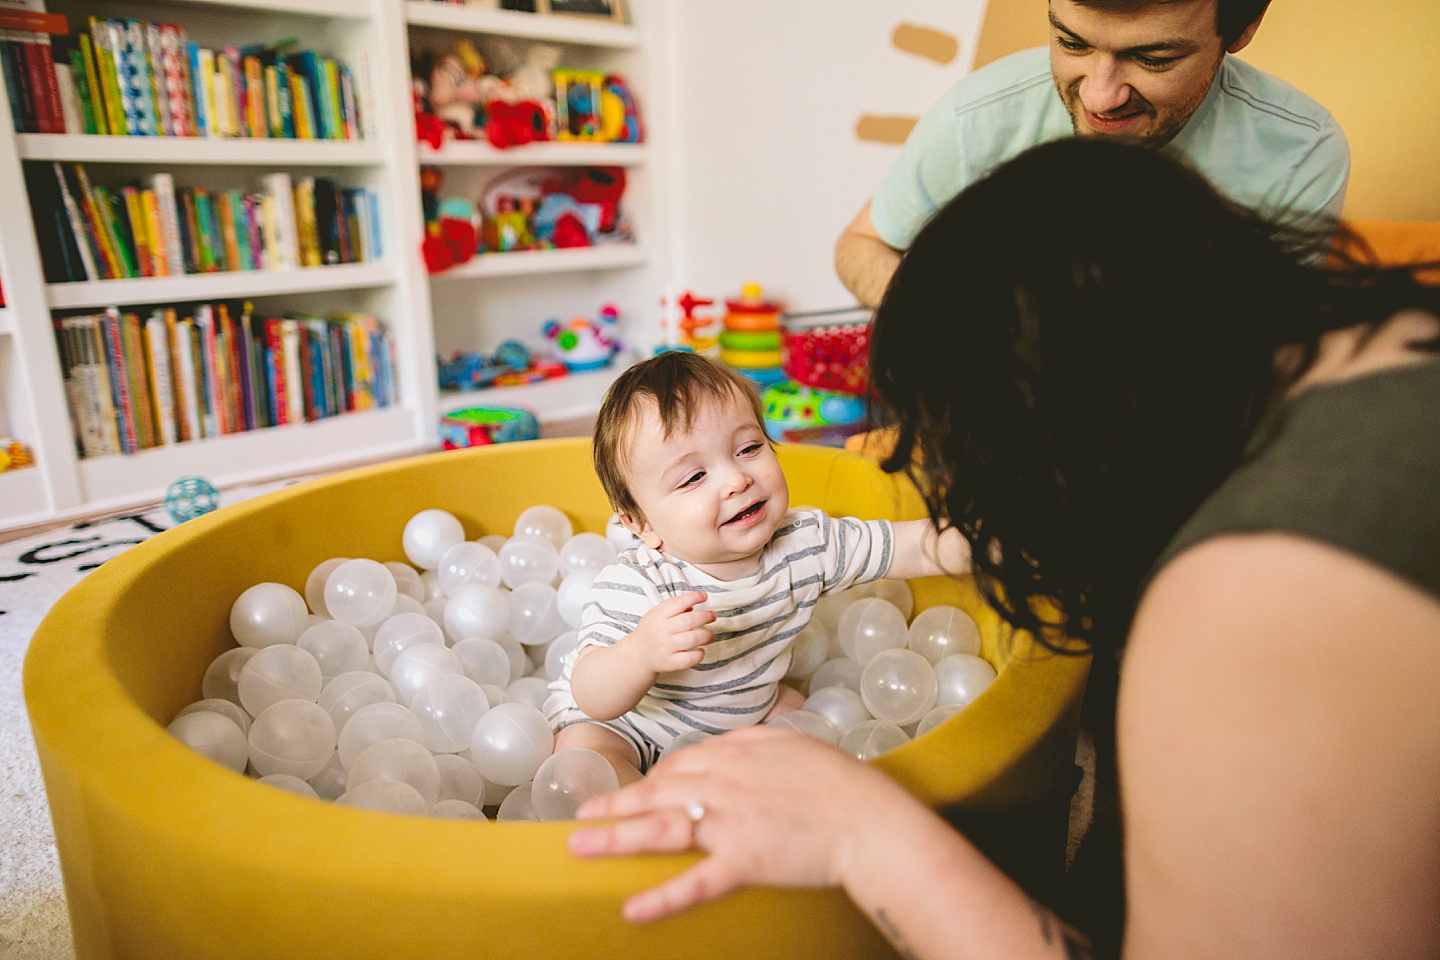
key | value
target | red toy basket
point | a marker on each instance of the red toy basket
(827, 349)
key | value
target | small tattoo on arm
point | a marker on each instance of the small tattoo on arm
(1059, 934)
(892, 933)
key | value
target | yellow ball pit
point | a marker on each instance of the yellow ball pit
(166, 854)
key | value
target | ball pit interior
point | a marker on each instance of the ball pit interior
(168, 854)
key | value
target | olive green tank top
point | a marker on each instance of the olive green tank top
(1354, 464)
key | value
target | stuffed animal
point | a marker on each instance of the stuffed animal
(455, 92)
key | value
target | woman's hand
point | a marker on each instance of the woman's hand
(771, 807)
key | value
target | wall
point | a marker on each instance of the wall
(767, 168)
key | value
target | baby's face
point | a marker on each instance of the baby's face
(711, 496)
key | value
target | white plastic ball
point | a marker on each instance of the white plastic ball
(546, 522)
(360, 592)
(688, 738)
(519, 661)
(285, 781)
(403, 604)
(292, 736)
(870, 739)
(407, 580)
(402, 632)
(962, 678)
(808, 651)
(898, 686)
(430, 580)
(484, 660)
(467, 562)
(419, 665)
(841, 672)
(840, 705)
(378, 721)
(517, 805)
(573, 594)
(586, 551)
(428, 535)
(828, 610)
(495, 695)
(457, 810)
(868, 626)
(567, 779)
(532, 690)
(214, 735)
(223, 707)
(620, 538)
(477, 611)
(494, 541)
(386, 796)
(266, 614)
(510, 742)
(336, 646)
(808, 723)
(398, 759)
(459, 780)
(349, 692)
(315, 584)
(936, 717)
(448, 707)
(528, 560)
(534, 614)
(560, 648)
(942, 631)
(278, 673)
(897, 592)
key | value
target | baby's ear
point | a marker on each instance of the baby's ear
(643, 530)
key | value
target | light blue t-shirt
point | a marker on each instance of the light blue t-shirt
(1260, 141)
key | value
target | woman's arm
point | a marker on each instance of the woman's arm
(923, 551)
(1279, 741)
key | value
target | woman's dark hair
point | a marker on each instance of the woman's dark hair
(1075, 350)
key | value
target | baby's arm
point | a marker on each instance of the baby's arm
(608, 682)
(923, 551)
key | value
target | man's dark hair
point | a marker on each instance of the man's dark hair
(1232, 17)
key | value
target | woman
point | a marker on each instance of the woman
(1210, 450)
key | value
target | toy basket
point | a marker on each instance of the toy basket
(827, 349)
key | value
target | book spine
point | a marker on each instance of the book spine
(109, 407)
(139, 232)
(277, 387)
(209, 240)
(12, 86)
(141, 404)
(212, 363)
(125, 77)
(29, 114)
(42, 83)
(294, 372)
(72, 113)
(305, 227)
(193, 243)
(120, 379)
(202, 387)
(154, 48)
(141, 79)
(284, 99)
(171, 64)
(225, 207)
(182, 371)
(350, 109)
(107, 78)
(162, 384)
(256, 119)
(223, 97)
(155, 232)
(252, 231)
(278, 187)
(78, 73)
(202, 68)
(79, 414)
(98, 103)
(77, 223)
(163, 186)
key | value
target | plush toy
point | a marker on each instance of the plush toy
(428, 127)
(451, 232)
(455, 95)
(619, 113)
(515, 124)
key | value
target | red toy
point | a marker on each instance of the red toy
(515, 124)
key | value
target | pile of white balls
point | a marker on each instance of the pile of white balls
(420, 691)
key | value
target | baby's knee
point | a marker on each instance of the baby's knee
(786, 700)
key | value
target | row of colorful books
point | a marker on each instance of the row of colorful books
(137, 78)
(154, 229)
(184, 374)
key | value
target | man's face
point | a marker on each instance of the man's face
(1138, 75)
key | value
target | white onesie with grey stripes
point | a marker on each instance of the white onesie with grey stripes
(757, 619)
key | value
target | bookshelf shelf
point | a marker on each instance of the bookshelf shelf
(220, 286)
(615, 256)
(564, 398)
(319, 8)
(197, 150)
(530, 26)
(476, 153)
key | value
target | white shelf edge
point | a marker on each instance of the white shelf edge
(7, 321)
(552, 154)
(86, 148)
(510, 23)
(23, 499)
(614, 256)
(219, 286)
(563, 398)
(347, 9)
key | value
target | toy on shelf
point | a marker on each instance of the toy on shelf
(828, 349)
(791, 407)
(689, 331)
(471, 371)
(451, 225)
(482, 426)
(14, 455)
(454, 89)
(492, 90)
(578, 103)
(750, 338)
(543, 208)
(619, 113)
(584, 344)
(190, 497)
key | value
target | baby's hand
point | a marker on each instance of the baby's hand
(670, 636)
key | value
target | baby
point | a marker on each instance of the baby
(681, 450)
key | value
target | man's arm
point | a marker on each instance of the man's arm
(863, 261)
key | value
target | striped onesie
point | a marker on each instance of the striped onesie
(757, 619)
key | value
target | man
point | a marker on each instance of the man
(1155, 72)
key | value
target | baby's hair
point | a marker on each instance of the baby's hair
(678, 384)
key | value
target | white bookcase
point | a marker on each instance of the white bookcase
(492, 298)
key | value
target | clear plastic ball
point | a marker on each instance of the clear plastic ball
(477, 611)
(897, 592)
(545, 522)
(285, 781)
(360, 592)
(898, 686)
(428, 535)
(407, 580)
(962, 678)
(448, 707)
(868, 626)
(520, 665)
(572, 595)
(936, 717)
(213, 735)
(528, 560)
(281, 672)
(352, 691)
(430, 580)
(870, 739)
(315, 584)
(840, 672)
(494, 541)
(467, 562)
(266, 614)
(398, 759)
(386, 796)
(456, 810)
(840, 705)
(828, 610)
(223, 707)
(586, 551)
(484, 660)
(495, 694)
(402, 632)
(555, 654)
(808, 723)
(403, 604)
(688, 738)
(942, 631)
(510, 742)
(459, 780)
(329, 783)
(534, 615)
(811, 647)
(419, 665)
(517, 805)
(567, 779)
(292, 736)
(619, 537)
(378, 721)
(336, 646)
(532, 690)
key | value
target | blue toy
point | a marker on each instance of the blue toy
(471, 371)
(791, 406)
(190, 497)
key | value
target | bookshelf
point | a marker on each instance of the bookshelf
(492, 298)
